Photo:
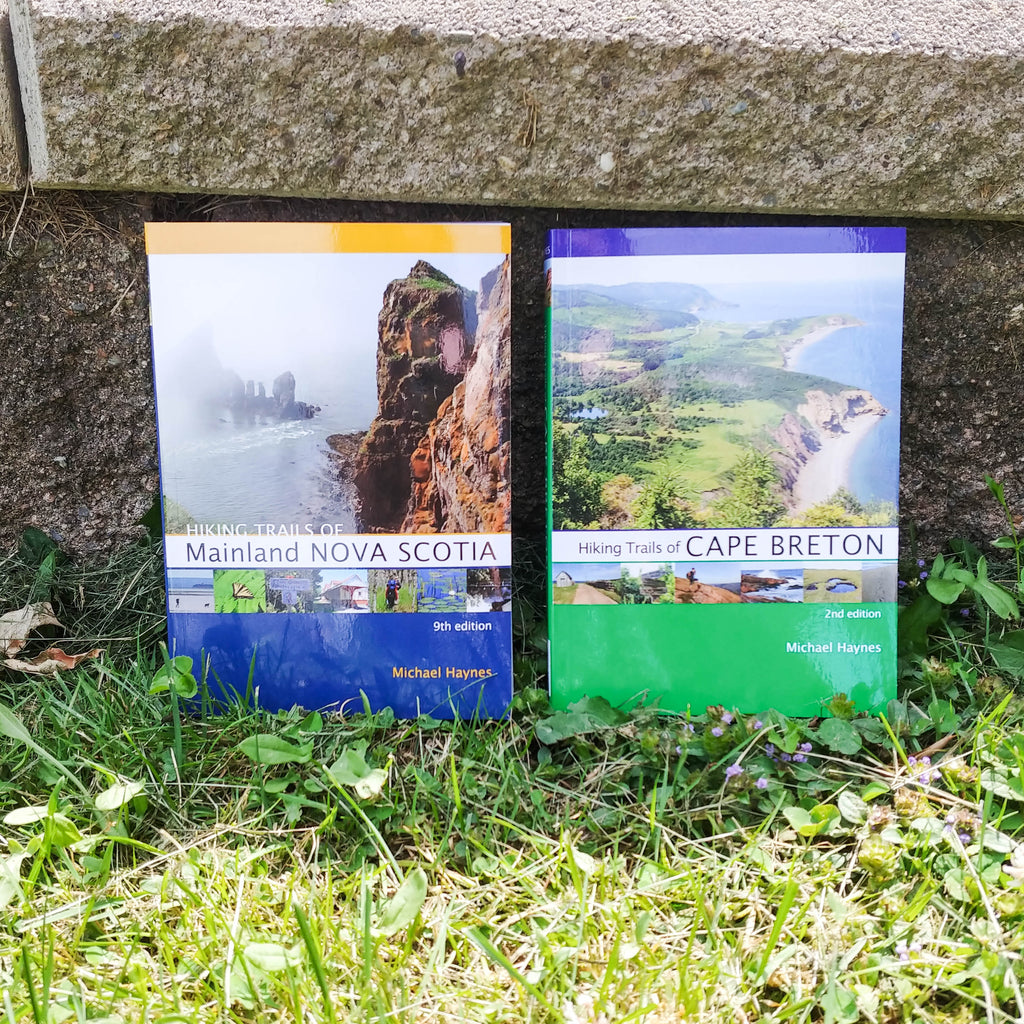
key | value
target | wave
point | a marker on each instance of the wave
(236, 444)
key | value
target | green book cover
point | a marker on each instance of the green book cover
(724, 465)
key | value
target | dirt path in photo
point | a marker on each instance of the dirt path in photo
(586, 594)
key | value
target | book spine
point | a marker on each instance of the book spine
(549, 470)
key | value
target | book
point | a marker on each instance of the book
(724, 465)
(333, 425)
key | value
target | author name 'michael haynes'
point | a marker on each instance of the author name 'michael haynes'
(439, 672)
(831, 647)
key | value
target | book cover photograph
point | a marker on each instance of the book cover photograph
(724, 465)
(333, 425)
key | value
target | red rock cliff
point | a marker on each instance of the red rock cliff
(426, 330)
(461, 466)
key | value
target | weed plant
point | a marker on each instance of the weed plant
(588, 865)
(117, 605)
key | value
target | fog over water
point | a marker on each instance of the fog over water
(259, 315)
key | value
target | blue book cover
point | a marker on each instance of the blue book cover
(333, 422)
(724, 465)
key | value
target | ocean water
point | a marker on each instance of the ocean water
(866, 357)
(258, 314)
(789, 588)
(279, 473)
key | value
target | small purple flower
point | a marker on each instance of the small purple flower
(965, 837)
(679, 750)
(800, 758)
(717, 731)
(762, 783)
(923, 576)
(911, 760)
(920, 563)
(769, 749)
(902, 952)
(805, 747)
(733, 770)
(786, 757)
(965, 612)
(727, 718)
(901, 583)
(688, 727)
(758, 724)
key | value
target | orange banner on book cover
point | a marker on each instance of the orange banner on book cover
(201, 238)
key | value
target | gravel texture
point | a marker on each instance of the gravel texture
(846, 107)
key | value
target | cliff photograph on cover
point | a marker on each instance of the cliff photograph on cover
(333, 424)
(724, 465)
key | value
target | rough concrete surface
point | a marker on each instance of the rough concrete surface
(77, 430)
(12, 155)
(848, 106)
(77, 436)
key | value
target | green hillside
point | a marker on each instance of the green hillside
(577, 313)
(685, 401)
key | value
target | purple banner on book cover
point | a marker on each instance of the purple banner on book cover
(710, 241)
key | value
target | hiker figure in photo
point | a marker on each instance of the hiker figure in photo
(391, 589)
(692, 576)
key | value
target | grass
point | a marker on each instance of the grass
(590, 866)
(406, 602)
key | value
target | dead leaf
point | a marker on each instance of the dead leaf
(1015, 869)
(16, 626)
(50, 662)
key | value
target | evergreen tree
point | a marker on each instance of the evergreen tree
(668, 577)
(660, 505)
(848, 500)
(628, 587)
(576, 490)
(754, 500)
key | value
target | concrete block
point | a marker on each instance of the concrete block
(846, 106)
(12, 158)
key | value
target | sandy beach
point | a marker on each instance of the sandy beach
(828, 469)
(811, 338)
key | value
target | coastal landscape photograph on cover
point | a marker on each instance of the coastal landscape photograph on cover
(740, 389)
(314, 389)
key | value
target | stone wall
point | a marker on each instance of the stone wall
(849, 107)
(77, 436)
(13, 152)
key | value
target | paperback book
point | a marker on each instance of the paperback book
(724, 465)
(333, 421)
